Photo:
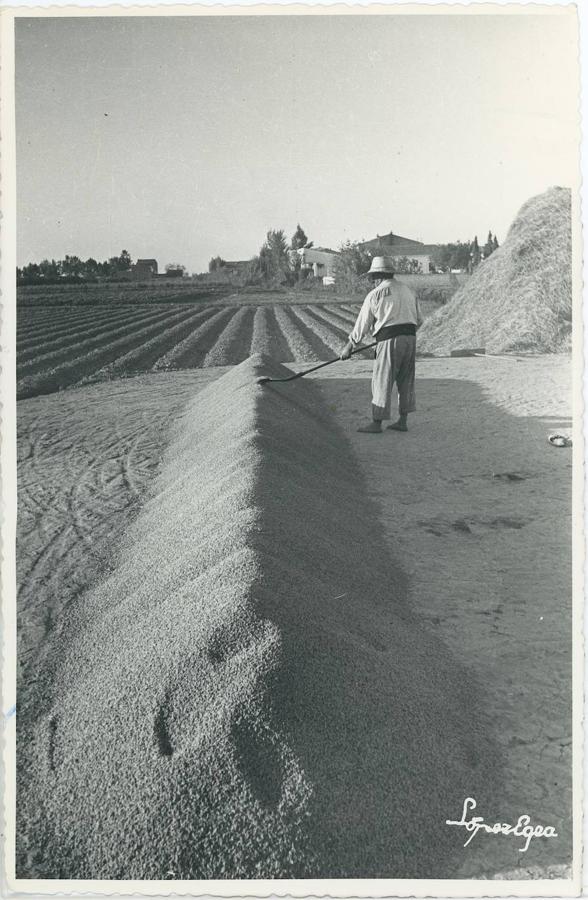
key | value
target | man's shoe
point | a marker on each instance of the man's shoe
(372, 428)
(397, 426)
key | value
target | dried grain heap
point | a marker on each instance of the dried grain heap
(246, 694)
(520, 298)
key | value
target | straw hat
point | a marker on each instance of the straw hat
(381, 266)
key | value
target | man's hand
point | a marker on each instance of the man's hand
(347, 350)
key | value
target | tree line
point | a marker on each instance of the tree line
(73, 269)
(463, 255)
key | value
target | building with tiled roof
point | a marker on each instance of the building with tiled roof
(398, 247)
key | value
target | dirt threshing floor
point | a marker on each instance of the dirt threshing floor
(479, 513)
(476, 515)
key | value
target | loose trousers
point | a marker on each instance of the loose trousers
(394, 362)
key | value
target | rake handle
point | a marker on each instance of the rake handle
(322, 365)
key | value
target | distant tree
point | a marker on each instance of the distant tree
(274, 258)
(72, 266)
(299, 242)
(299, 239)
(489, 246)
(475, 254)
(216, 263)
(175, 267)
(121, 263)
(31, 271)
(351, 266)
(91, 267)
(494, 243)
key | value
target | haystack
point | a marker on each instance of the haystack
(247, 693)
(520, 298)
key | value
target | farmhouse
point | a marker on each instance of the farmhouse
(145, 268)
(320, 260)
(399, 247)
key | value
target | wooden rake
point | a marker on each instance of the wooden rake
(314, 368)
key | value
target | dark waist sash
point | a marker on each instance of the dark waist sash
(392, 331)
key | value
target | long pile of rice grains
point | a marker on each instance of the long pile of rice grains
(246, 694)
(520, 298)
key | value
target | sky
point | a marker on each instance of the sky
(184, 138)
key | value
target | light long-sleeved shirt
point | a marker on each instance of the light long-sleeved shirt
(390, 303)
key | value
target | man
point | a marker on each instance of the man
(391, 312)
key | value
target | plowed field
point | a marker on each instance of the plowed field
(59, 348)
